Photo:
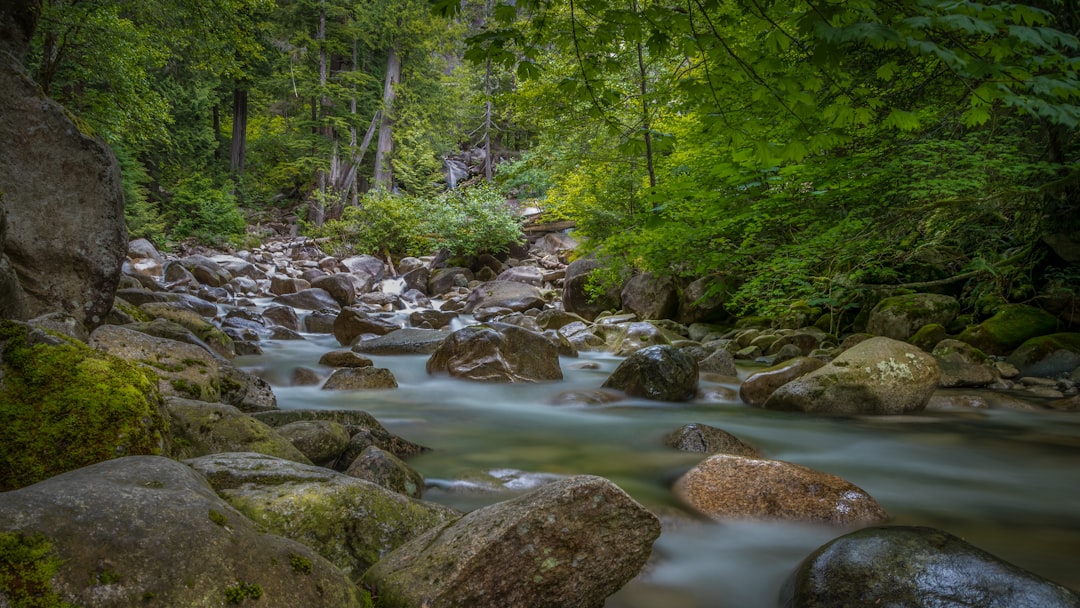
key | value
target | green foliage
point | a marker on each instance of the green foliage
(465, 221)
(140, 213)
(236, 594)
(27, 567)
(300, 564)
(68, 406)
(205, 211)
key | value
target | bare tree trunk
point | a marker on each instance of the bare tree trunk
(239, 132)
(646, 118)
(488, 161)
(353, 190)
(317, 214)
(384, 174)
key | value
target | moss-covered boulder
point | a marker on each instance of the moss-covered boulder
(915, 567)
(64, 405)
(928, 336)
(569, 543)
(199, 428)
(351, 522)
(183, 370)
(1013, 325)
(149, 531)
(204, 330)
(877, 376)
(1048, 356)
(363, 429)
(962, 364)
(389, 471)
(899, 317)
(322, 441)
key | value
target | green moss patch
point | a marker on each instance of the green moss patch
(27, 567)
(68, 406)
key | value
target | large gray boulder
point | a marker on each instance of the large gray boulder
(183, 370)
(198, 428)
(497, 352)
(661, 373)
(915, 567)
(404, 341)
(511, 295)
(899, 317)
(351, 522)
(650, 297)
(758, 386)
(569, 543)
(876, 376)
(724, 487)
(147, 530)
(353, 322)
(576, 295)
(66, 240)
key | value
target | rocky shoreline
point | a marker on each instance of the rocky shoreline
(320, 508)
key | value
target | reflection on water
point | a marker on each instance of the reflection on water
(1008, 482)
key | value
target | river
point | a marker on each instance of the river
(1005, 481)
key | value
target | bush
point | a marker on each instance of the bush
(206, 212)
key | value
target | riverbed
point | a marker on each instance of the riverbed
(1006, 481)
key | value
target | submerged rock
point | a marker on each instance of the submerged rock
(661, 373)
(758, 386)
(915, 567)
(732, 487)
(697, 437)
(146, 530)
(569, 543)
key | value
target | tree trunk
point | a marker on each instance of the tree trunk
(646, 119)
(384, 174)
(239, 132)
(488, 161)
(317, 213)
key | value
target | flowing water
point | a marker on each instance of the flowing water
(1006, 481)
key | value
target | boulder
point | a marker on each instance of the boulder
(443, 280)
(1047, 356)
(357, 378)
(363, 428)
(206, 270)
(308, 299)
(1009, 328)
(899, 317)
(569, 543)
(351, 522)
(876, 376)
(433, 319)
(366, 264)
(928, 336)
(140, 296)
(628, 338)
(915, 567)
(404, 341)
(342, 287)
(497, 353)
(962, 364)
(577, 298)
(207, 333)
(65, 240)
(661, 373)
(530, 275)
(719, 362)
(733, 487)
(696, 306)
(183, 370)
(247, 392)
(321, 441)
(650, 297)
(757, 387)
(353, 322)
(707, 439)
(510, 295)
(282, 316)
(64, 405)
(198, 428)
(383, 468)
(345, 358)
(146, 530)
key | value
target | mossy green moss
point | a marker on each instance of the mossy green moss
(1009, 328)
(68, 406)
(27, 567)
(241, 591)
(300, 564)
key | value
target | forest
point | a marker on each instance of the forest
(803, 153)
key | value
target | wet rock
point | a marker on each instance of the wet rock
(345, 358)
(351, 522)
(696, 437)
(353, 322)
(587, 397)
(577, 299)
(321, 321)
(444, 280)
(877, 376)
(146, 529)
(308, 299)
(661, 373)
(342, 287)
(322, 441)
(553, 318)
(961, 364)
(305, 376)
(247, 392)
(733, 487)
(284, 316)
(405, 341)
(696, 307)
(363, 428)
(570, 543)
(206, 270)
(1052, 355)
(899, 317)
(804, 342)
(916, 567)
(358, 378)
(757, 387)
(368, 264)
(650, 297)
(183, 369)
(628, 338)
(719, 362)
(199, 428)
(1008, 329)
(513, 296)
(497, 353)
(436, 319)
(529, 275)
(383, 468)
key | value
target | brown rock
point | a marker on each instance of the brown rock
(759, 385)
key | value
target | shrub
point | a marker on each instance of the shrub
(206, 212)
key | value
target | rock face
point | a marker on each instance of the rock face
(899, 317)
(497, 353)
(511, 295)
(351, 522)
(66, 239)
(915, 567)
(650, 297)
(876, 376)
(149, 530)
(661, 373)
(569, 543)
(733, 487)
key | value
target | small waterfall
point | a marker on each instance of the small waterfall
(455, 171)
